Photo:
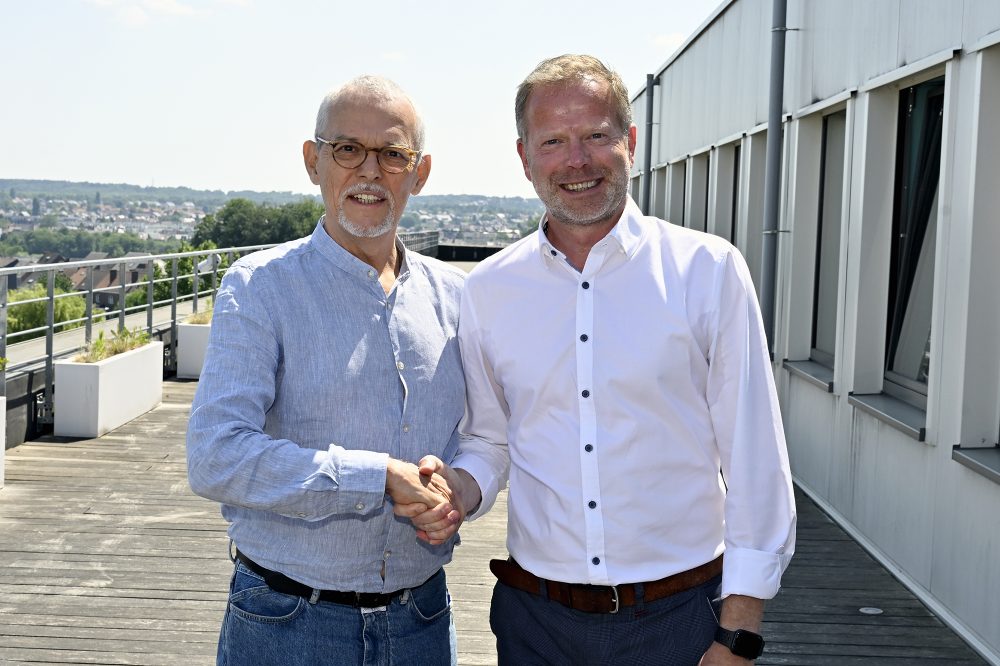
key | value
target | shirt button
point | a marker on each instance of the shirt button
(592, 504)
(585, 393)
(406, 428)
(371, 274)
(584, 337)
(399, 365)
(553, 252)
(588, 448)
(301, 515)
(585, 285)
(359, 506)
(596, 560)
(387, 554)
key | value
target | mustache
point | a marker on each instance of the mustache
(366, 188)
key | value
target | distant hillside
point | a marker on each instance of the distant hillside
(110, 192)
(211, 200)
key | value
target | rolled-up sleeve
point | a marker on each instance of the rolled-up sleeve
(759, 506)
(231, 459)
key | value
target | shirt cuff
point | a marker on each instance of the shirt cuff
(483, 475)
(752, 573)
(361, 481)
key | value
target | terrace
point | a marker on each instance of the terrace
(108, 557)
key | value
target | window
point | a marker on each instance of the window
(660, 192)
(696, 203)
(914, 228)
(831, 188)
(676, 188)
(734, 214)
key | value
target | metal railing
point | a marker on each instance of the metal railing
(106, 307)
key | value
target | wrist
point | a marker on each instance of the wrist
(469, 494)
(741, 642)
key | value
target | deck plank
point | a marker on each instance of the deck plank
(108, 558)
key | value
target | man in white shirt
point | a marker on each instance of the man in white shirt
(619, 363)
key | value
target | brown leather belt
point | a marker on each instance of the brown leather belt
(600, 598)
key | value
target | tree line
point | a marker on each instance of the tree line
(238, 223)
(75, 244)
(242, 222)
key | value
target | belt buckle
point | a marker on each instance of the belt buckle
(614, 597)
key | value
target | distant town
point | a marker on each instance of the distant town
(167, 216)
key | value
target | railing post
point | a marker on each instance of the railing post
(3, 338)
(215, 275)
(195, 282)
(149, 297)
(45, 415)
(173, 314)
(89, 305)
(122, 280)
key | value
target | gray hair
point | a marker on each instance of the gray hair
(376, 88)
(571, 68)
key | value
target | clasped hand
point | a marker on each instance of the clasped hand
(433, 495)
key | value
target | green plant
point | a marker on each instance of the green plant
(122, 341)
(202, 317)
(3, 363)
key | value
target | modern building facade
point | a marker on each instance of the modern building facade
(887, 292)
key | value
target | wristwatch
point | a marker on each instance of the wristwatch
(742, 643)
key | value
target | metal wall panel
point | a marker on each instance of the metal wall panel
(718, 86)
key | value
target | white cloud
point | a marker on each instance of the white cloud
(393, 56)
(132, 15)
(140, 12)
(169, 7)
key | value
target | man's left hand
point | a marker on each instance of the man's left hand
(720, 655)
(738, 612)
(437, 524)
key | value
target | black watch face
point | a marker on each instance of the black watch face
(747, 644)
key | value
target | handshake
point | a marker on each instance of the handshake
(433, 495)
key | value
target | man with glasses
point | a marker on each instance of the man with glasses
(643, 373)
(333, 371)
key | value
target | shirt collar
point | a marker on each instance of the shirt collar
(346, 261)
(627, 233)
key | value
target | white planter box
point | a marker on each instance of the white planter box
(192, 340)
(3, 437)
(93, 398)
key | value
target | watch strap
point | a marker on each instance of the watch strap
(741, 642)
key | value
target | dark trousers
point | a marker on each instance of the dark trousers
(673, 631)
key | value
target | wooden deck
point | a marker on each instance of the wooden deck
(106, 557)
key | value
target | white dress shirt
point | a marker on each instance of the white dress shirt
(616, 394)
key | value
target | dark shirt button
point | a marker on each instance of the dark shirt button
(584, 337)
(553, 252)
(592, 504)
(588, 448)
(585, 285)
(596, 560)
(586, 393)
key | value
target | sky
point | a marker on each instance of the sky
(220, 94)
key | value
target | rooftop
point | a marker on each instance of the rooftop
(109, 558)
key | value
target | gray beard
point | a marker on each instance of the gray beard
(357, 231)
(615, 196)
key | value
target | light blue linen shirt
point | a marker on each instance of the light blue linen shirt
(313, 378)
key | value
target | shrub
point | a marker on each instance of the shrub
(203, 317)
(121, 341)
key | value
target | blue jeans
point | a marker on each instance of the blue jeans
(673, 631)
(264, 627)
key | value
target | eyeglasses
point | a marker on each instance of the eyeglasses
(351, 155)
